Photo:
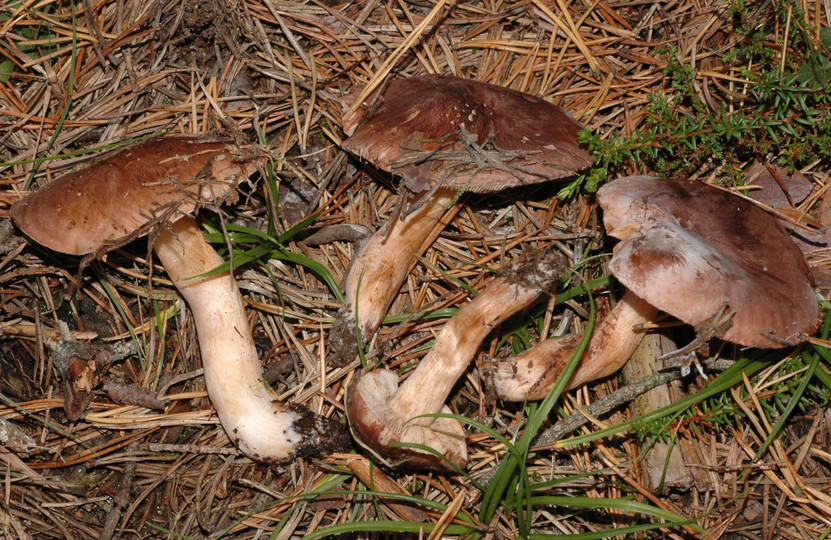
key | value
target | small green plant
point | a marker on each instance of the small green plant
(785, 114)
(816, 70)
(250, 245)
(752, 49)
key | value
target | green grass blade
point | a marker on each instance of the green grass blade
(70, 91)
(623, 504)
(793, 403)
(321, 271)
(726, 380)
(506, 475)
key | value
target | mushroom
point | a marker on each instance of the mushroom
(693, 251)
(158, 183)
(444, 136)
(381, 413)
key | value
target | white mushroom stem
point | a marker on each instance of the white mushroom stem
(530, 375)
(427, 388)
(379, 414)
(261, 427)
(380, 268)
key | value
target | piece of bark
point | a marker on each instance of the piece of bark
(81, 370)
(662, 464)
(15, 438)
(81, 366)
(134, 395)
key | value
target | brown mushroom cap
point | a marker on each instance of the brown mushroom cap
(534, 140)
(126, 194)
(687, 248)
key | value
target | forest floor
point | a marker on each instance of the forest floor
(684, 88)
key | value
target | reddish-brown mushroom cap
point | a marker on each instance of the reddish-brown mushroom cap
(422, 117)
(687, 248)
(118, 195)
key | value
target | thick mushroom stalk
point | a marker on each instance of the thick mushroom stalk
(377, 427)
(380, 269)
(262, 428)
(531, 374)
(379, 414)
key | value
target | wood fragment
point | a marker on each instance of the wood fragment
(663, 462)
(377, 480)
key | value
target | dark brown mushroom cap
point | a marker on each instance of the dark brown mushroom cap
(84, 210)
(534, 140)
(687, 247)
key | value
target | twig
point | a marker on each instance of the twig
(617, 398)
(191, 449)
(122, 497)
